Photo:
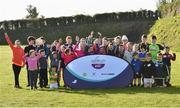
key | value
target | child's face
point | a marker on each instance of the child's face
(129, 47)
(60, 41)
(110, 46)
(154, 41)
(105, 42)
(121, 48)
(144, 40)
(33, 54)
(62, 48)
(43, 53)
(167, 50)
(31, 42)
(148, 58)
(135, 48)
(77, 38)
(53, 69)
(90, 49)
(159, 57)
(117, 41)
(69, 53)
(83, 41)
(69, 41)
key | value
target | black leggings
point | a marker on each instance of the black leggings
(16, 70)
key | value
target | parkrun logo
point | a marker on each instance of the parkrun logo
(98, 63)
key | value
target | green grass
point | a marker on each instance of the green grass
(170, 9)
(12, 97)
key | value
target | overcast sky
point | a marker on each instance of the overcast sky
(16, 9)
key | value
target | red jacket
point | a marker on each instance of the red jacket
(68, 58)
(18, 53)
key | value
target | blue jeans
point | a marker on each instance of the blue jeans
(33, 78)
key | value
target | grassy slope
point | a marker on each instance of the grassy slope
(89, 98)
(167, 31)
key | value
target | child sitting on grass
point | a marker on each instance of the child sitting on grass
(53, 77)
(148, 71)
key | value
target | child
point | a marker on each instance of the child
(110, 50)
(148, 70)
(117, 41)
(96, 47)
(68, 43)
(53, 77)
(80, 48)
(31, 46)
(124, 41)
(55, 62)
(90, 50)
(121, 51)
(142, 53)
(136, 64)
(167, 57)
(43, 65)
(136, 48)
(154, 49)
(68, 56)
(161, 71)
(103, 47)
(128, 53)
(144, 42)
(32, 62)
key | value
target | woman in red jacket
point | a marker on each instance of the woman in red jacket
(17, 59)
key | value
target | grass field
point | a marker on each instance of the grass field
(11, 97)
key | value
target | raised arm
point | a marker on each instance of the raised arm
(173, 57)
(8, 40)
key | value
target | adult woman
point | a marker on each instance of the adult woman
(17, 60)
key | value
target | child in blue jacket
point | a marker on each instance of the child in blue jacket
(136, 64)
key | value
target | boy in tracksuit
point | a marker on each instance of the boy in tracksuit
(43, 65)
(167, 57)
(161, 71)
(148, 71)
(136, 64)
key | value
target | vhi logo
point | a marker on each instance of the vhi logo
(98, 63)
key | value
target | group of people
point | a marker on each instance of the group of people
(151, 62)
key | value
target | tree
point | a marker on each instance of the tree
(32, 12)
